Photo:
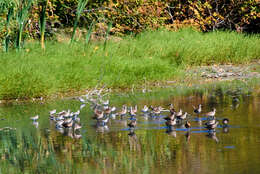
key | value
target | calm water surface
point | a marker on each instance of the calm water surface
(32, 148)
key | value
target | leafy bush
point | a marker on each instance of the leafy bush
(134, 16)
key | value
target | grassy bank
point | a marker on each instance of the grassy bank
(150, 56)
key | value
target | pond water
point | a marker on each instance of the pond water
(38, 147)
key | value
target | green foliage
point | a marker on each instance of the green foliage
(7, 37)
(89, 33)
(43, 5)
(215, 14)
(7, 8)
(130, 16)
(107, 34)
(22, 17)
(81, 5)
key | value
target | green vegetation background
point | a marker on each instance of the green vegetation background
(130, 16)
(149, 51)
(149, 56)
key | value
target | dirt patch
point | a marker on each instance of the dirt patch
(227, 72)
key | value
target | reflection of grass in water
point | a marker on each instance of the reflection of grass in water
(29, 152)
(24, 152)
(228, 88)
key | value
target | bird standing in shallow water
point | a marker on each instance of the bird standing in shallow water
(133, 111)
(212, 113)
(179, 114)
(184, 116)
(170, 117)
(212, 124)
(156, 110)
(123, 112)
(52, 112)
(67, 123)
(170, 123)
(82, 106)
(106, 102)
(187, 125)
(198, 109)
(36, 117)
(145, 109)
(171, 109)
(98, 114)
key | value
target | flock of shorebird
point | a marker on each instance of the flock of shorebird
(103, 112)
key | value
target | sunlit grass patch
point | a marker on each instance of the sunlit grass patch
(149, 56)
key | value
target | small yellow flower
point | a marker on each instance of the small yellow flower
(96, 48)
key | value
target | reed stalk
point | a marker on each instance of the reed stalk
(7, 37)
(89, 33)
(107, 34)
(43, 5)
(22, 15)
(81, 5)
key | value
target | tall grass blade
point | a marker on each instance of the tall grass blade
(43, 6)
(8, 18)
(22, 15)
(89, 32)
(107, 34)
(81, 5)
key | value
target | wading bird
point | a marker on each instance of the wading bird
(34, 118)
(198, 109)
(212, 113)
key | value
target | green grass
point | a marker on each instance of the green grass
(150, 56)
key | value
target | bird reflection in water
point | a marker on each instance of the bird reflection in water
(102, 128)
(212, 134)
(36, 124)
(73, 132)
(225, 129)
(133, 140)
(187, 135)
(171, 131)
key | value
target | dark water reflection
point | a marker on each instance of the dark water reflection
(37, 147)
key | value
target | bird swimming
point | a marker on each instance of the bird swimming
(225, 121)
